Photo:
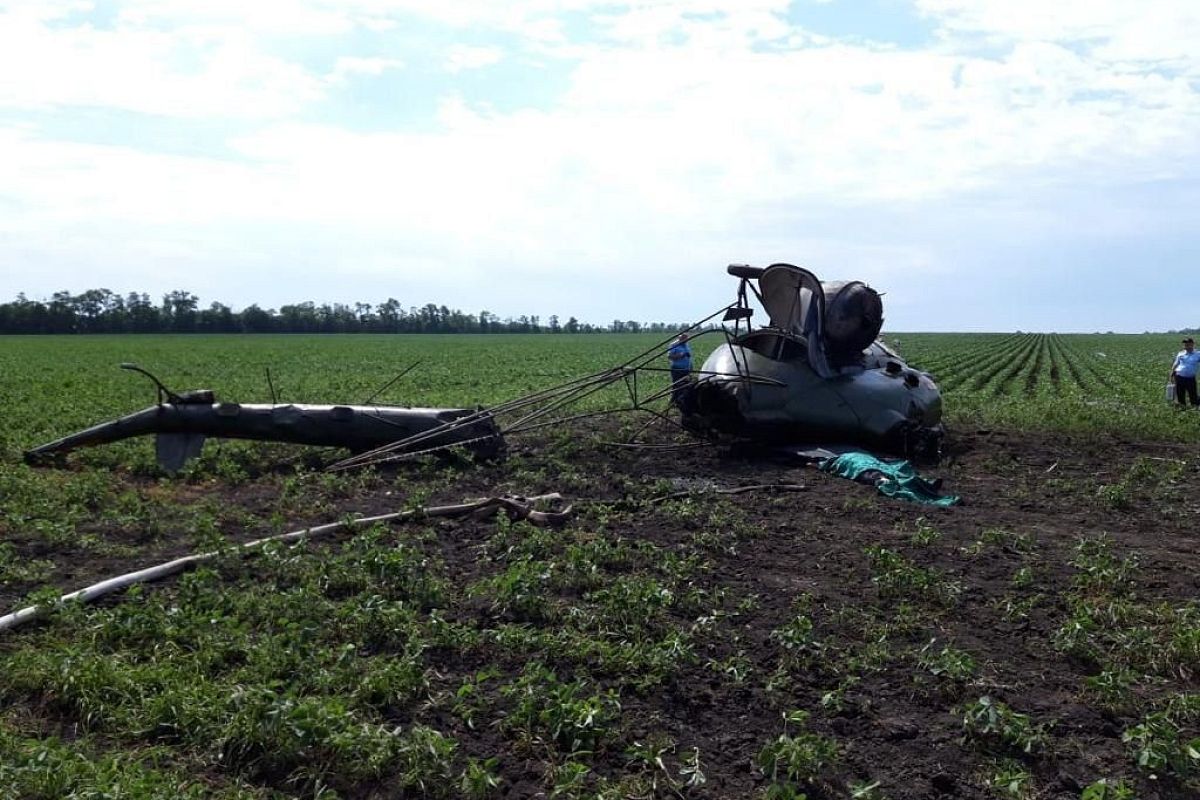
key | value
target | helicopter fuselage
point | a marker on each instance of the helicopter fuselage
(761, 386)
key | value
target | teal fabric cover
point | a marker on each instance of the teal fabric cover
(899, 478)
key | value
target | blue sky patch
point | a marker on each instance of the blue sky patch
(886, 21)
(101, 16)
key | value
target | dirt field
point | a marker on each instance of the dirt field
(997, 577)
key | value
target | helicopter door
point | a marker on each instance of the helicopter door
(794, 299)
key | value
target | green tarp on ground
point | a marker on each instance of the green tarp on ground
(895, 478)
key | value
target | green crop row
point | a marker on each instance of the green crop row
(658, 644)
(1096, 383)
(54, 385)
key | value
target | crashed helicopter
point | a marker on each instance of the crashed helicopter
(823, 374)
(815, 373)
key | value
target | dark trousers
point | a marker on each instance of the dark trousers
(1186, 387)
(679, 385)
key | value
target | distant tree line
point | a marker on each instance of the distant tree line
(104, 311)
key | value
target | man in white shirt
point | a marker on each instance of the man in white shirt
(1183, 373)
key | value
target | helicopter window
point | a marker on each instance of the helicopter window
(774, 345)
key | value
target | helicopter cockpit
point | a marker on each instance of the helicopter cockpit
(833, 325)
(816, 371)
(774, 344)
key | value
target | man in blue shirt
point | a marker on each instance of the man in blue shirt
(680, 356)
(1183, 373)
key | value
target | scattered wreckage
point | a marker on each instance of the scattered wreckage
(815, 373)
(182, 422)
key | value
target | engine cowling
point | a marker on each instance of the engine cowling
(853, 316)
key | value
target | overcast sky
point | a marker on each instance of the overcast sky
(988, 164)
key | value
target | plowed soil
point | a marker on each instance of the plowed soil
(1027, 499)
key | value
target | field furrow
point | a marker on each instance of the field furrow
(487, 657)
(977, 365)
(1007, 366)
(1090, 369)
(1032, 374)
(954, 356)
(1052, 351)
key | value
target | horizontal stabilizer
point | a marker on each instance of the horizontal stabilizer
(174, 450)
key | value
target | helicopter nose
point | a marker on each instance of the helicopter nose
(717, 398)
(717, 403)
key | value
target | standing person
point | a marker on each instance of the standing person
(1183, 373)
(680, 356)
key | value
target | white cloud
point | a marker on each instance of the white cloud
(347, 66)
(1157, 31)
(1078, 19)
(266, 17)
(192, 73)
(464, 57)
(703, 116)
(682, 128)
